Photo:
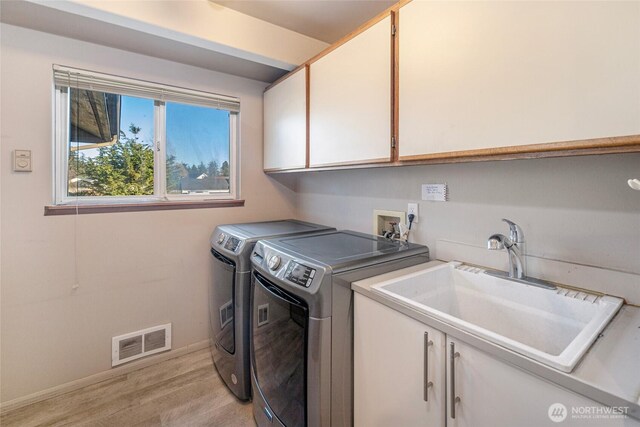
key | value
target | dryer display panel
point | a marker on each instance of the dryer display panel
(299, 274)
(232, 244)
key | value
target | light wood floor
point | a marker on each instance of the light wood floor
(184, 391)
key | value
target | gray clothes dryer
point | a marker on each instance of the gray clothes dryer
(302, 322)
(229, 291)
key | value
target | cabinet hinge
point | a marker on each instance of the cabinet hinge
(393, 29)
(393, 142)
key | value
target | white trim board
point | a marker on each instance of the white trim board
(593, 278)
(99, 377)
(162, 43)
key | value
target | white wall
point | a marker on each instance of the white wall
(577, 209)
(134, 270)
(205, 20)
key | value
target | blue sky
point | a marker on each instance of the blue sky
(194, 134)
(197, 134)
(138, 111)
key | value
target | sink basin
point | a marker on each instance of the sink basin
(554, 327)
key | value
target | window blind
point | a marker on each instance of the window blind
(89, 80)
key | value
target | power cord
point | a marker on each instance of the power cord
(411, 218)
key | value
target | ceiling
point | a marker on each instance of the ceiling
(326, 20)
(128, 35)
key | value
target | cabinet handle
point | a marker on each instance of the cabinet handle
(427, 383)
(453, 398)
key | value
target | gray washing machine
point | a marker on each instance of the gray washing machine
(229, 310)
(302, 322)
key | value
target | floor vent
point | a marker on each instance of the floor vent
(263, 314)
(132, 346)
(226, 314)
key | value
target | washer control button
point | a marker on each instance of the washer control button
(274, 262)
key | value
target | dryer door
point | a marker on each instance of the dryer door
(221, 302)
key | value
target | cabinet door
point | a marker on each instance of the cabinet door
(285, 123)
(350, 101)
(390, 355)
(483, 75)
(493, 393)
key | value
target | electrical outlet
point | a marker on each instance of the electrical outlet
(412, 208)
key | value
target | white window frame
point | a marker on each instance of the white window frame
(160, 94)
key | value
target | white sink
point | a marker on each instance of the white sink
(554, 327)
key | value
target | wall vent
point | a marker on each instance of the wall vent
(132, 346)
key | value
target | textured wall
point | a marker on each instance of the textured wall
(576, 209)
(134, 270)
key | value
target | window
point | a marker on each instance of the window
(197, 158)
(124, 140)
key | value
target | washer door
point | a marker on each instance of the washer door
(279, 329)
(221, 302)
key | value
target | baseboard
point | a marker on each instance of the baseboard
(19, 402)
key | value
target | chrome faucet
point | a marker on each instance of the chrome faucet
(512, 244)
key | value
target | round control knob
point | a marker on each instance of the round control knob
(274, 262)
(221, 238)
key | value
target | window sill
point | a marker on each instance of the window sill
(138, 207)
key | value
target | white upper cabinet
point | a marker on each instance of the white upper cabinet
(481, 75)
(285, 123)
(350, 100)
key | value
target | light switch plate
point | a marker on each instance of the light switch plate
(22, 160)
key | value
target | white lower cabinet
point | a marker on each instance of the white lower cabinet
(493, 393)
(391, 352)
(389, 381)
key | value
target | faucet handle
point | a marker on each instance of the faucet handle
(516, 234)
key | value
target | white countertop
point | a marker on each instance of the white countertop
(609, 372)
